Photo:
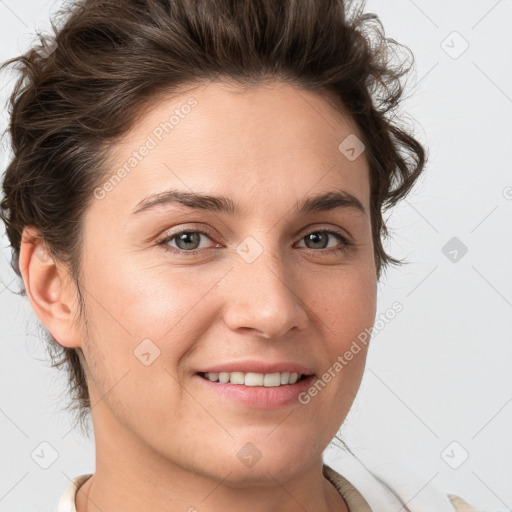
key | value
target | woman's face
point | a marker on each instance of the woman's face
(174, 290)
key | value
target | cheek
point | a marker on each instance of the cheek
(344, 302)
(148, 301)
(346, 312)
(140, 315)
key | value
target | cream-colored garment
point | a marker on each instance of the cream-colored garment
(67, 501)
(353, 498)
(356, 502)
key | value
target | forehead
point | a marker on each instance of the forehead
(269, 141)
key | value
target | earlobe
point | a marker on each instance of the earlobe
(48, 289)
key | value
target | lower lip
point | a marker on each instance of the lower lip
(259, 397)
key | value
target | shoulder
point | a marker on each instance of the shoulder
(357, 503)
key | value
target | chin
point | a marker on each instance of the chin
(260, 464)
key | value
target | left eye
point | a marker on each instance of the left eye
(186, 239)
(320, 235)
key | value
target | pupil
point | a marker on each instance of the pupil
(184, 236)
(315, 236)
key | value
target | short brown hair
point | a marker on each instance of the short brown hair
(109, 58)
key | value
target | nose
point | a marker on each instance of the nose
(264, 297)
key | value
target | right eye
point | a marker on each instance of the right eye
(184, 238)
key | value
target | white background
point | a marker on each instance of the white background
(441, 371)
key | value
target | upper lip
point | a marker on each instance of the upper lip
(259, 367)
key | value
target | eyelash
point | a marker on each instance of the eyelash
(346, 244)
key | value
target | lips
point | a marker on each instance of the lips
(254, 396)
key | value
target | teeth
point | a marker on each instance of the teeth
(254, 379)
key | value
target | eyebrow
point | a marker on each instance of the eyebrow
(327, 201)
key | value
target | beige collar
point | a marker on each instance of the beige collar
(353, 498)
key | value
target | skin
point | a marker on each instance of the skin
(163, 441)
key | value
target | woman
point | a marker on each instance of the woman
(176, 164)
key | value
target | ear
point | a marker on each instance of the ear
(49, 289)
